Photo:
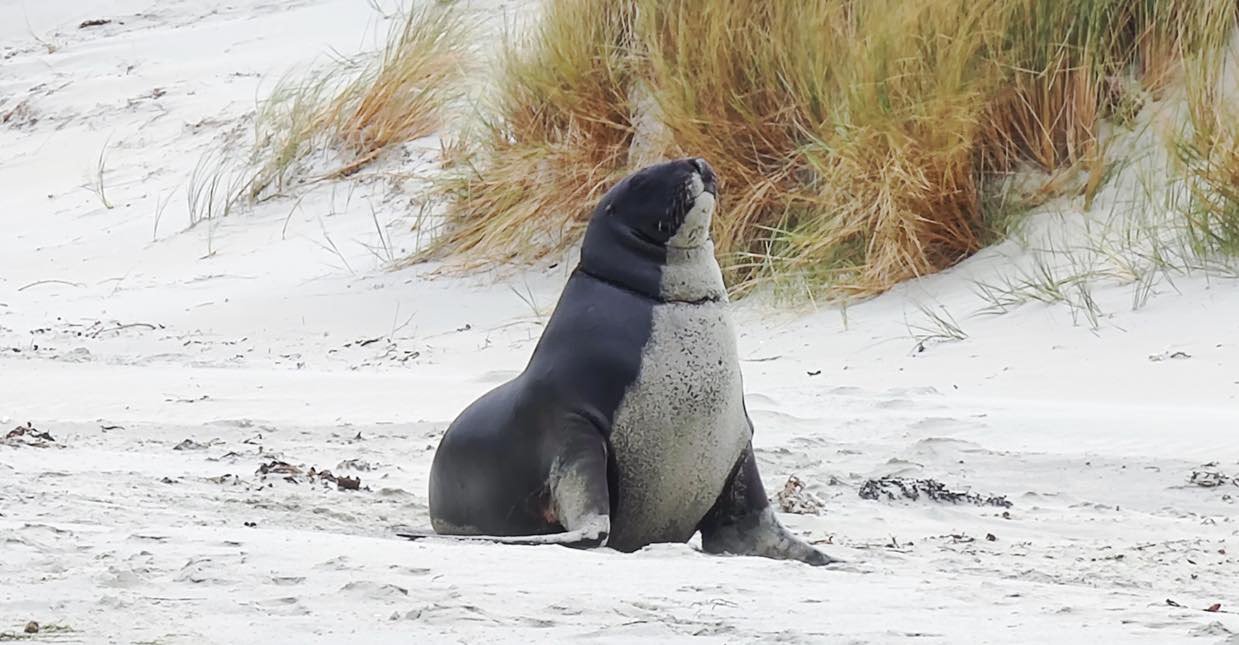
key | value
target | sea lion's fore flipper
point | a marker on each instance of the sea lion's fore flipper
(580, 493)
(742, 522)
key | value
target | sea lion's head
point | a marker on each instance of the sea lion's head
(651, 232)
(667, 204)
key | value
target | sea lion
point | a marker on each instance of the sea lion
(628, 425)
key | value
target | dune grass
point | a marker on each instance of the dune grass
(1212, 160)
(858, 143)
(335, 120)
(361, 108)
(560, 137)
(834, 144)
(1208, 147)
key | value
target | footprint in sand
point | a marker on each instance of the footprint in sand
(373, 590)
(497, 376)
(120, 578)
(287, 606)
(945, 448)
(205, 570)
(754, 399)
(936, 423)
(914, 391)
(450, 615)
(896, 404)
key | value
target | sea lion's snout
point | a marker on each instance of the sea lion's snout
(709, 180)
(692, 229)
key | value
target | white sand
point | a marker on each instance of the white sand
(113, 534)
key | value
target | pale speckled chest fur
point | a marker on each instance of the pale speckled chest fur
(681, 426)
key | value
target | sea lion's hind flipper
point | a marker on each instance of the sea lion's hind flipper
(742, 522)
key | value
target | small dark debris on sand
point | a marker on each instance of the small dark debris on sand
(33, 628)
(342, 482)
(795, 499)
(190, 444)
(355, 464)
(199, 399)
(230, 456)
(95, 22)
(893, 488)
(1169, 356)
(28, 435)
(291, 473)
(1210, 476)
(276, 467)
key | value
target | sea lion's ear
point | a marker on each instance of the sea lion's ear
(610, 209)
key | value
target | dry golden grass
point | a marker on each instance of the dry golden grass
(361, 108)
(560, 140)
(1209, 146)
(833, 146)
(403, 96)
(1065, 62)
(1213, 214)
(854, 140)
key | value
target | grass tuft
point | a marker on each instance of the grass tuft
(98, 185)
(1209, 146)
(336, 120)
(522, 189)
(361, 108)
(936, 327)
(403, 95)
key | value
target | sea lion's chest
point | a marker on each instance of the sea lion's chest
(680, 427)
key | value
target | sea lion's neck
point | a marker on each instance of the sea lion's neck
(617, 256)
(692, 275)
(613, 254)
